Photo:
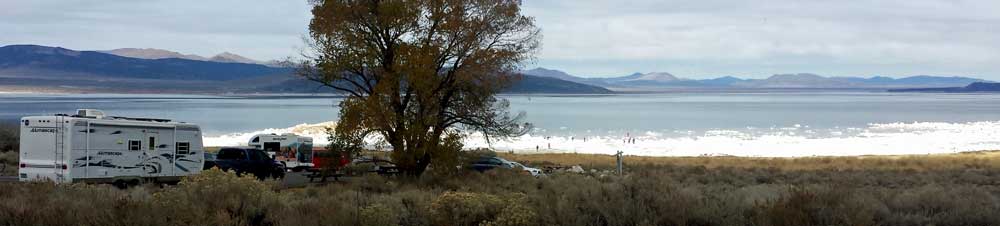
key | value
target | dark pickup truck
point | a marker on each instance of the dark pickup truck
(244, 160)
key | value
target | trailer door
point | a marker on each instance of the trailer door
(159, 156)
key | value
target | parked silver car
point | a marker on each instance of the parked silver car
(488, 163)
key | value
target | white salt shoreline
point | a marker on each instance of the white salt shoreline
(876, 139)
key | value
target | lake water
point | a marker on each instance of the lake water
(685, 124)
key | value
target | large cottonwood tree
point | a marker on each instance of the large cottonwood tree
(420, 73)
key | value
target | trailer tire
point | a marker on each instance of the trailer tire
(297, 169)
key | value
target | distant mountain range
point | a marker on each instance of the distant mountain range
(665, 81)
(53, 62)
(538, 84)
(33, 67)
(154, 54)
(977, 87)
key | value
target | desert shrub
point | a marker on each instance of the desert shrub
(979, 160)
(570, 200)
(414, 206)
(216, 197)
(467, 208)
(448, 156)
(9, 143)
(378, 215)
(44, 203)
(794, 209)
(381, 209)
(464, 208)
(360, 202)
(8, 163)
(650, 194)
(492, 181)
(515, 212)
(821, 205)
(9, 137)
(945, 205)
(324, 207)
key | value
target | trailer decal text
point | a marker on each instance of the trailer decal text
(43, 130)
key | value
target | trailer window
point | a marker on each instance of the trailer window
(232, 153)
(227, 154)
(183, 148)
(304, 154)
(152, 143)
(258, 155)
(272, 147)
(134, 145)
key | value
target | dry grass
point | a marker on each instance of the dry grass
(8, 163)
(969, 160)
(9, 142)
(650, 195)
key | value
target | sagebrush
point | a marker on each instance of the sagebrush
(647, 195)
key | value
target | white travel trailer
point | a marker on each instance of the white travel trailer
(90, 147)
(293, 151)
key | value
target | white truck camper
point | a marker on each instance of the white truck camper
(93, 148)
(293, 151)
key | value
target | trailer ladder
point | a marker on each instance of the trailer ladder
(60, 150)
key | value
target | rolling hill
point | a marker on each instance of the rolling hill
(54, 62)
(977, 87)
(154, 70)
(149, 53)
(153, 54)
(538, 84)
(55, 68)
(662, 80)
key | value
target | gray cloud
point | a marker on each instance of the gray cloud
(588, 37)
(758, 38)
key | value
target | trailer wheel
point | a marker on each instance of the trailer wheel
(297, 169)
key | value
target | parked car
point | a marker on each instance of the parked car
(245, 160)
(488, 163)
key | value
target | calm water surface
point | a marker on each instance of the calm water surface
(552, 115)
(747, 124)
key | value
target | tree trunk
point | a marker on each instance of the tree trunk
(418, 168)
(422, 164)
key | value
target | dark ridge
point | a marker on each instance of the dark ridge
(976, 87)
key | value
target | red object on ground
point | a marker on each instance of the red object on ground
(321, 159)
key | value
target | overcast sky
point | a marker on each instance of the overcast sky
(694, 39)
